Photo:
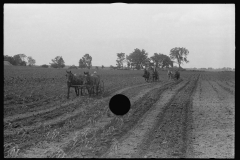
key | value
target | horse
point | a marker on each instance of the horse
(146, 75)
(151, 73)
(73, 79)
(170, 74)
(177, 75)
(173, 75)
(155, 74)
(91, 81)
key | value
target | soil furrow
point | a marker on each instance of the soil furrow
(226, 88)
(71, 108)
(138, 110)
(27, 108)
(26, 115)
(229, 84)
(71, 114)
(213, 123)
(192, 117)
(128, 144)
(105, 122)
(169, 135)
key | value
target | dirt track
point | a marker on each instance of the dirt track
(128, 145)
(167, 119)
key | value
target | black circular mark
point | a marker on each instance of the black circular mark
(119, 104)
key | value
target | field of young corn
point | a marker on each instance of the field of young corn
(167, 118)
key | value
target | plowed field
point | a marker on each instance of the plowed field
(192, 117)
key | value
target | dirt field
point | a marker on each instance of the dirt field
(193, 117)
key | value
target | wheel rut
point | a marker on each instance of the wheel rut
(129, 143)
(169, 134)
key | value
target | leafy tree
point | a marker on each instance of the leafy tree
(148, 62)
(31, 61)
(85, 61)
(138, 58)
(129, 61)
(82, 64)
(167, 62)
(118, 64)
(20, 59)
(128, 64)
(157, 59)
(17, 59)
(22, 56)
(58, 62)
(23, 63)
(88, 60)
(10, 59)
(120, 59)
(180, 54)
(162, 60)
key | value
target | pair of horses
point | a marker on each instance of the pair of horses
(150, 74)
(82, 81)
(172, 75)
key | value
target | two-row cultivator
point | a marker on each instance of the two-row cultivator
(97, 89)
(92, 83)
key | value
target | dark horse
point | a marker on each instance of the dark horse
(74, 80)
(177, 74)
(150, 74)
(174, 75)
(146, 75)
(92, 81)
(155, 75)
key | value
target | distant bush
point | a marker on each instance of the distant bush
(73, 67)
(44, 66)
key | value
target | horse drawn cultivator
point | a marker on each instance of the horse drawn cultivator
(151, 75)
(99, 88)
(90, 83)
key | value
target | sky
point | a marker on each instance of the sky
(44, 31)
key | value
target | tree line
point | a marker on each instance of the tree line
(57, 62)
(20, 60)
(139, 58)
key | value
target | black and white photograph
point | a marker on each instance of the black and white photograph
(119, 80)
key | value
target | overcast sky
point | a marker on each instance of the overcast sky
(45, 31)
